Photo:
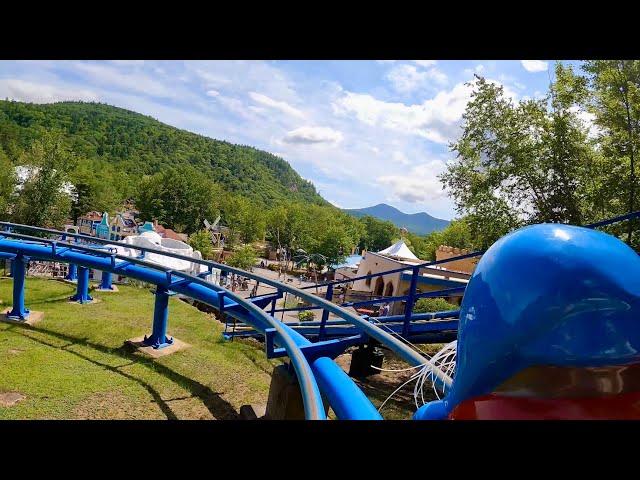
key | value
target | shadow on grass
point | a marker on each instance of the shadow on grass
(219, 408)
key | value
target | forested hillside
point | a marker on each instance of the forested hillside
(110, 138)
(108, 156)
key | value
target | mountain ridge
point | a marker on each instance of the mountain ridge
(418, 223)
(138, 145)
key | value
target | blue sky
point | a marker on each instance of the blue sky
(364, 132)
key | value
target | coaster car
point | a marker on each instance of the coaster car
(549, 329)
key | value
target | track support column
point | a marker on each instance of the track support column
(325, 313)
(105, 281)
(18, 272)
(408, 309)
(72, 273)
(82, 291)
(158, 338)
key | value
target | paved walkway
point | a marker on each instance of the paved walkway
(264, 289)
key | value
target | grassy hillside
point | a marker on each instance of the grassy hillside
(73, 364)
(137, 145)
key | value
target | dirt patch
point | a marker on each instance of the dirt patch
(379, 386)
(15, 351)
(9, 399)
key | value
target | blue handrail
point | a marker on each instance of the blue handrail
(195, 287)
(395, 344)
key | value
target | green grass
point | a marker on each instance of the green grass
(73, 364)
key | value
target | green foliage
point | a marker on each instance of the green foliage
(7, 184)
(180, 198)
(244, 218)
(180, 178)
(201, 241)
(518, 162)
(377, 234)
(428, 305)
(306, 316)
(244, 258)
(456, 234)
(316, 229)
(138, 145)
(102, 192)
(613, 97)
(42, 200)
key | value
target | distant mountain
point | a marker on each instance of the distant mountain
(418, 223)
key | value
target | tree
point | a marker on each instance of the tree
(44, 198)
(245, 220)
(288, 226)
(615, 102)
(517, 162)
(7, 185)
(96, 188)
(313, 260)
(245, 258)
(457, 234)
(180, 197)
(377, 234)
(201, 241)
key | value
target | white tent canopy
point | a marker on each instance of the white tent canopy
(399, 250)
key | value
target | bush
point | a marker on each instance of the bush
(428, 305)
(306, 316)
(201, 241)
(244, 258)
(291, 302)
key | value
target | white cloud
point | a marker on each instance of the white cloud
(242, 76)
(284, 107)
(128, 63)
(400, 157)
(25, 91)
(418, 185)
(311, 135)
(407, 78)
(132, 81)
(235, 106)
(534, 65)
(425, 63)
(435, 119)
(259, 103)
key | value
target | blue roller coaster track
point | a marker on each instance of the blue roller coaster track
(311, 347)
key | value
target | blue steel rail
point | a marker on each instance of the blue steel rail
(409, 318)
(312, 362)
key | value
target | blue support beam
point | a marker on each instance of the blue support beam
(72, 273)
(325, 314)
(408, 309)
(82, 290)
(18, 272)
(158, 338)
(105, 281)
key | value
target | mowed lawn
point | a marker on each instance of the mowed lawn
(73, 364)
